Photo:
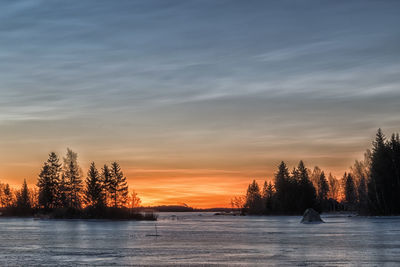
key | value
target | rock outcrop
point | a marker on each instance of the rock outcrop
(311, 216)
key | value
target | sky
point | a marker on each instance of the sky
(195, 98)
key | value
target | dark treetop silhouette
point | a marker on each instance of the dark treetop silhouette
(371, 187)
(63, 194)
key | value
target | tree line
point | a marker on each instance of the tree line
(62, 192)
(371, 187)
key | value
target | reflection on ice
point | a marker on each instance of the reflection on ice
(187, 238)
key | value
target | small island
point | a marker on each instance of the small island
(61, 193)
(371, 187)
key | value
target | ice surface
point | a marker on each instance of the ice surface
(202, 239)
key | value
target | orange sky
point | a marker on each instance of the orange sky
(200, 188)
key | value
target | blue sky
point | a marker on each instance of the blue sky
(222, 85)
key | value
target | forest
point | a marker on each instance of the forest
(62, 193)
(371, 187)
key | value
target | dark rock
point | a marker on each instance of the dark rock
(311, 216)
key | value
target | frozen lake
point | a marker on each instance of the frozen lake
(201, 239)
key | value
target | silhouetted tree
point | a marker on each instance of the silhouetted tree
(118, 186)
(48, 182)
(94, 195)
(2, 194)
(360, 172)
(267, 196)
(380, 166)
(23, 197)
(62, 198)
(253, 199)
(60, 192)
(349, 190)
(34, 197)
(238, 202)
(334, 187)
(8, 196)
(135, 200)
(23, 203)
(282, 185)
(384, 181)
(106, 184)
(315, 177)
(307, 198)
(323, 188)
(73, 179)
(394, 197)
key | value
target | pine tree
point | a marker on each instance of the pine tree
(349, 190)
(282, 187)
(8, 196)
(394, 146)
(253, 199)
(2, 194)
(48, 182)
(383, 186)
(73, 179)
(270, 190)
(307, 191)
(118, 186)
(106, 184)
(379, 184)
(267, 196)
(264, 190)
(323, 188)
(94, 195)
(46, 187)
(23, 198)
(62, 198)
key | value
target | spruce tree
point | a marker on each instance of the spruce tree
(73, 179)
(253, 199)
(23, 198)
(8, 196)
(384, 181)
(48, 182)
(349, 190)
(323, 188)
(282, 187)
(379, 184)
(307, 191)
(118, 186)
(94, 195)
(267, 196)
(106, 184)
(62, 198)
(394, 146)
(264, 190)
